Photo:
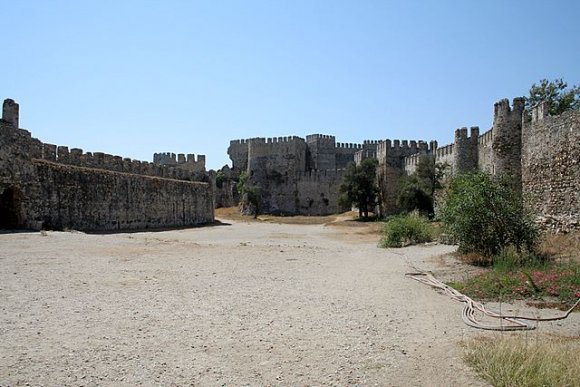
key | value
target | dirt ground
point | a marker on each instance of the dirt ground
(242, 303)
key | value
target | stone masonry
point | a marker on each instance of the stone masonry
(52, 187)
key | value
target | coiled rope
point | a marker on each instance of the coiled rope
(471, 308)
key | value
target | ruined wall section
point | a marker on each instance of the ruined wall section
(551, 168)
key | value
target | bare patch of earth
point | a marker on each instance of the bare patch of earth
(249, 303)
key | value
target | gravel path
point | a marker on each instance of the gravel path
(240, 304)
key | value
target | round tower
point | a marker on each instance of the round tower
(507, 140)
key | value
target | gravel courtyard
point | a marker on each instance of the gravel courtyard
(229, 305)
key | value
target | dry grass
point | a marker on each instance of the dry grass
(526, 359)
(565, 247)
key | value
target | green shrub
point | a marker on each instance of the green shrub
(406, 229)
(485, 215)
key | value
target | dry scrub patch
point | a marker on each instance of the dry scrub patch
(527, 359)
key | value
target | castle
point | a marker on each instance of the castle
(540, 153)
(48, 186)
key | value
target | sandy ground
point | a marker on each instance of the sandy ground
(240, 304)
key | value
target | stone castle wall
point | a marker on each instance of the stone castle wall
(485, 152)
(49, 186)
(295, 175)
(317, 192)
(272, 166)
(551, 168)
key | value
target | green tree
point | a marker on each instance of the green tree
(251, 195)
(359, 186)
(413, 196)
(417, 191)
(485, 215)
(556, 93)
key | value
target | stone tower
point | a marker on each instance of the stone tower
(507, 140)
(465, 152)
(322, 152)
(10, 111)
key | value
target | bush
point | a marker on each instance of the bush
(406, 229)
(485, 215)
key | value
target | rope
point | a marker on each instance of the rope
(469, 313)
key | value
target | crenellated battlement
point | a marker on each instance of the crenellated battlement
(462, 133)
(318, 137)
(273, 140)
(485, 138)
(343, 145)
(168, 158)
(240, 141)
(503, 111)
(446, 150)
(99, 160)
(371, 142)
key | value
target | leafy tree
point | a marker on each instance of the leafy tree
(413, 196)
(251, 195)
(417, 191)
(359, 186)
(556, 93)
(485, 215)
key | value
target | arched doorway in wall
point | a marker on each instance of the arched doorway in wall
(10, 209)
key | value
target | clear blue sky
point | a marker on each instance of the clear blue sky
(134, 77)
